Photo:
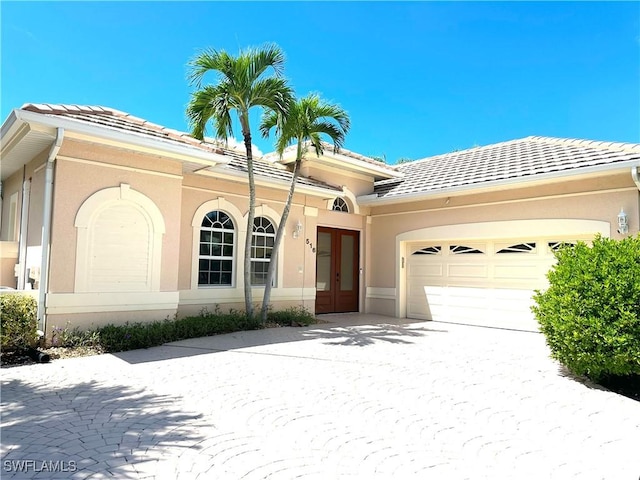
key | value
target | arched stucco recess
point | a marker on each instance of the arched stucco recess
(350, 198)
(97, 203)
(276, 218)
(240, 224)
(487, 230)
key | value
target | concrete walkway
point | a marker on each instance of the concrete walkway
(362, 397)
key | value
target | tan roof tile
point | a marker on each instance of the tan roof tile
(517, 159)
(124, 122)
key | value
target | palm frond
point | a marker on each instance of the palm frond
(260, 59)
(210, 103)
(272, 93)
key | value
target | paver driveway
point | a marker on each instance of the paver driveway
(361, 397)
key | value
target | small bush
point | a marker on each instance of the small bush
(293, 316)
(590, 314)
(18, 321)
(71, 338)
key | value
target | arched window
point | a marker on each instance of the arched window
(262, 240)
(339, 205)
(217, 235)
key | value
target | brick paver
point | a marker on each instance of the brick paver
(362, 397)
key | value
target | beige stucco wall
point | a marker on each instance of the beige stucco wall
(298, 262)
(79, 174)
(11, 186)
(34, 172)
(593, 199)
(8, 260)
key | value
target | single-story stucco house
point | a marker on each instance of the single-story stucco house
(109, 218)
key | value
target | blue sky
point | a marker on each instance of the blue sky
(417, 78)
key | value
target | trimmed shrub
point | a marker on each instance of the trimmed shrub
(294, 316)
(130, 336)
(590, 314)
(18, 321)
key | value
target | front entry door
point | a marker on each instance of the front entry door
(337, 272)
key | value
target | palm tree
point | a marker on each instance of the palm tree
(306, 123)
(241, 85)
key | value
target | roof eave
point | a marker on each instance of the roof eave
(510, 183)
(134, 140)
(353, 164)
(261, 180)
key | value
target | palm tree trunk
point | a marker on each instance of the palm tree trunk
(248, 300)
(279, 234)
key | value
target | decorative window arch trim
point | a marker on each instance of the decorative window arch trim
(89, 212)
(240, 223)
(350, 198)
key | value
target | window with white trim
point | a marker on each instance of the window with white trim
(262, 241)
(216, 255)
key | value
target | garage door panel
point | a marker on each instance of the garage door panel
(435, 270)
(461, 271)
(489, 283)
(517, 272)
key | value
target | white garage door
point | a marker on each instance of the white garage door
(480, 283)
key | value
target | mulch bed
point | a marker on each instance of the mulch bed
(22, 357)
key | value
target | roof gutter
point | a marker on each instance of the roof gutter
(518, 182)
(191, 153)
(46, 229)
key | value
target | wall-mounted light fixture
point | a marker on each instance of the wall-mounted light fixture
(297, 229)
(623, 223)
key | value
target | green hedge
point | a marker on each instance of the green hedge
(18, 321)
(590, 314)
(130, 336)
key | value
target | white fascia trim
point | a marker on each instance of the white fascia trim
(339, 160)
(263, 181)
(131, 138)
(344, 162)
(510, 183)
(360, 165)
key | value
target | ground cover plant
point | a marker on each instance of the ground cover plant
(590, 314)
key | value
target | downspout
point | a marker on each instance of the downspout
(24, 226)
(46, 229)
(635, 174)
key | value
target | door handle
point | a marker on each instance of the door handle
(338, 277)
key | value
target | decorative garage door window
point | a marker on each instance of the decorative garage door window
(517, 248)
(437, 250)
(554, 246)
(339, 205)
(463, 250)
(262, 241)
(216, 249)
